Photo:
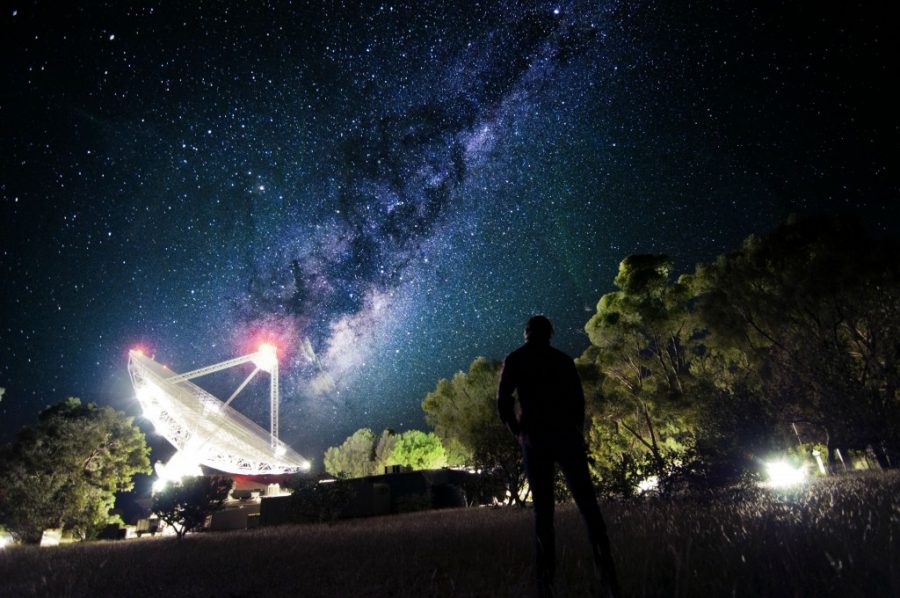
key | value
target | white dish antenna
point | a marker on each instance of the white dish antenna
(206, 430)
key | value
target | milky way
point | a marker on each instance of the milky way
(388, 190)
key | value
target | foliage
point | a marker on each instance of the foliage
(814, 310)
(354, 458)
(384, 450)
(710, 373)
(65, 472)
(415, 449)
(360, 455)
(186, 504)
(643, 344)
(463, 413)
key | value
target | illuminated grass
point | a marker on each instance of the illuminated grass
(837, 537)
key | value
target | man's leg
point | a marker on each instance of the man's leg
(573, 463)
(539, 470)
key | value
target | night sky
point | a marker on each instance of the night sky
(399, 184)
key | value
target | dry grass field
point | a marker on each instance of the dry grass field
(836, 537)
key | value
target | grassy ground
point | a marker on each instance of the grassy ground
(838, 537)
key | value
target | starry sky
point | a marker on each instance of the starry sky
(387, 190)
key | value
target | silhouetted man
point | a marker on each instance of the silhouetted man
(550, 430)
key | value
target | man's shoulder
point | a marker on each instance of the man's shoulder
(528, 352)
(516, 354)
(561, 354)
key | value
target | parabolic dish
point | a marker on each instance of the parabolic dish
(205, 429)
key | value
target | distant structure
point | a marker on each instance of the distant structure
(207, 431)
(395, 491)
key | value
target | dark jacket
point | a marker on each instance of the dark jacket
(549, 392)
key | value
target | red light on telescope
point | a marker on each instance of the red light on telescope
(278, 331)
(266, 357)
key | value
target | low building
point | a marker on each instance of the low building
(394, 492)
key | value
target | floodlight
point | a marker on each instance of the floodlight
(782, 474)
(648, 484)
(146, 391)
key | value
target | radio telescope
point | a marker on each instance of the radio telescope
(206, 430)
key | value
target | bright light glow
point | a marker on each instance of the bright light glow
(648, 484)
(147, 395)
(138, 351)
(5, 540)
(782, 474)
(146, 392)
(280, 451)
(266, 357)
(51, 537)
(276, 490)
(181, 465)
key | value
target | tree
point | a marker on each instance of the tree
(463, 413)
(65, 472)
(354, 458)
(417, 450)
(360, 455)
(384, 451)
(643, 345)
(185, 505)
(814, 308)
(796, 327)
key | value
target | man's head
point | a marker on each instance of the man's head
(538, 329)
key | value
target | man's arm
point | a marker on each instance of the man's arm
(505, 400)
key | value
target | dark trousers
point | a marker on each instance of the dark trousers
(539, 468)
